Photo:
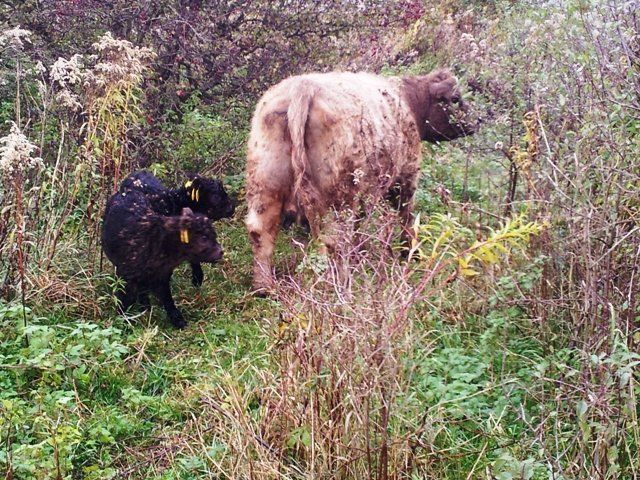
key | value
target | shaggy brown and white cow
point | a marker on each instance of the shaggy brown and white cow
(318, 140)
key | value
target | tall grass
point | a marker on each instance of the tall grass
(338, 402)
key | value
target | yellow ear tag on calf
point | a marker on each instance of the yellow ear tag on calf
(194, 192)
(184, 236)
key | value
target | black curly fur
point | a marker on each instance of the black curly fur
(146, 247)
(213, 201)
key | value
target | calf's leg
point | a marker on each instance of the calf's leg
(163, 291)
(197, 275)
(143, 299)
(127, 297)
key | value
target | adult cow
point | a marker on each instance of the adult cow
(319, 140)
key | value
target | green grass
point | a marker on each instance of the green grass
(121, 384)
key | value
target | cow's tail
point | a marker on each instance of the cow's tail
(297, 117)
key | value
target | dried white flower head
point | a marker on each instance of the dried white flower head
(67, 72)
(357, 175)
(40, 68)
(16, 153)
(69, 100)
(65, 75)
(119, 61)
(15, 38)
(42, 88)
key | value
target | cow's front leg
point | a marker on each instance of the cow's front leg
(263, 224)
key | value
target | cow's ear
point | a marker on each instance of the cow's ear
(185, 219)
(443, 89)
(180, 224)
(187, 216)
(192, 181)
(173, 223)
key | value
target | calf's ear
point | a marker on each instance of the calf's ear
(186, 221)
(193, 188)
(179, 223)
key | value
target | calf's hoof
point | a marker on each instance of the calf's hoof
(197, 278)
(177, 320)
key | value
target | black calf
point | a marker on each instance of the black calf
(146, 247)
(201, 194)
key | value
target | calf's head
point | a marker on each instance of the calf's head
(194, 236)
(436, 102)
(209, 197)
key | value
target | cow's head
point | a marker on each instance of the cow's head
(437, 103)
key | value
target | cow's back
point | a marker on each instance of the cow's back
(359, 135)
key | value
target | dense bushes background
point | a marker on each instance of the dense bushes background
(511, 356)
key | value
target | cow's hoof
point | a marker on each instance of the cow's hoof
(262, 292)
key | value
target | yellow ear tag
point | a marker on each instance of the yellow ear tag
(188, 184)
(184, 236)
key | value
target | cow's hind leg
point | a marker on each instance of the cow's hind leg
(143, 299)
(127, 297)
(401, 198)
(263, 224)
